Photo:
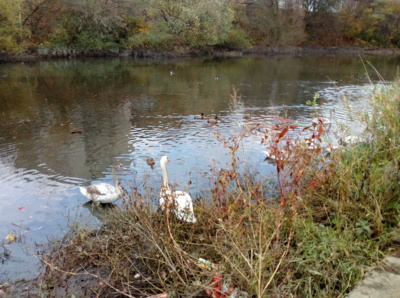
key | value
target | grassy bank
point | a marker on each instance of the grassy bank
(330, 214)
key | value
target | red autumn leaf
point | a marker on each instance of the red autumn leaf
(21, 208)
(284, 120)
(282, 134)
(293, 126)
(276, 127)
(320, 131)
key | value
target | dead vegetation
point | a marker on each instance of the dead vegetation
(331, 214)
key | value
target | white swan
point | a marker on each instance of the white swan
(268, 155)
(350, 140)
(104, 192)
(282, 155)
(179, 201)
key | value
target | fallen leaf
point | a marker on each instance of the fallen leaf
(11, 238)
(21, 208)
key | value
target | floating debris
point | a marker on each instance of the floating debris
(11, 238)
(76, 130)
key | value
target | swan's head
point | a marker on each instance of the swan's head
(118, 165)
(164, 160)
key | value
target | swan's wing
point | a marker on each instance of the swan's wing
(184, 207)
(183, 200)
(101, 189)
(183, 204)
(165, 194)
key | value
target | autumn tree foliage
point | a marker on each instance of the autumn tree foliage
(185, 22)
(176, 24)
(41, 19)
(353, 22)
(11, 30)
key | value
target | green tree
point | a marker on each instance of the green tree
(186, 22)
(352, 20)
(91, 23)
(11, 32)
(387, 32)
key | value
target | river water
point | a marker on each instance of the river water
(127, 110)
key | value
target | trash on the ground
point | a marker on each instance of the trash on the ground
(205, 264)
(162, 295)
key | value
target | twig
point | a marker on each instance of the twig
(88, 274)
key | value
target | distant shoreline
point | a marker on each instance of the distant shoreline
(51, 53)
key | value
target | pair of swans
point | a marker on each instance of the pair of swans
(179, 201)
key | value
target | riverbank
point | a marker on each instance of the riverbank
(381, 281)
(330, 223)
(43, 53)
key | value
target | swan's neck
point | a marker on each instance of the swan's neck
(117, 185)
(114, 176)
(165, 176)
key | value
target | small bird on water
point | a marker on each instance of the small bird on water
(151, 162)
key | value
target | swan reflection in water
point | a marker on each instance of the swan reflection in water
(99, 210)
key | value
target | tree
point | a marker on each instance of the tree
(42, 18)
(387, 32)
(272, 22)
(91, 23)
(351, 20)
(322, 21)
(11, 32)
(195, 23)
(320, 5)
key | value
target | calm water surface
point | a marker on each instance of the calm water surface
(129, 110)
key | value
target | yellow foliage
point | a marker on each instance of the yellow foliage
(10, 25)
(138, 25)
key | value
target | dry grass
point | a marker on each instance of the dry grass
(332, 216)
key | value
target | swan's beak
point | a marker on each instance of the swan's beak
(168, 159)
